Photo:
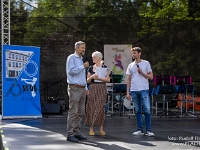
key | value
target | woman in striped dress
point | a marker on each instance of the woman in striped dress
(97, 97)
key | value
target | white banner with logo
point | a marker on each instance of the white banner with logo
(117, 58)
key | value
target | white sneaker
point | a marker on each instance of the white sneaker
(149, 133)
(138, 133)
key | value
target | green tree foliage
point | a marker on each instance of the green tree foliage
(109, 20)
(170, 30)
(162, 14)
(51, 26)
(167, 30)
(18, 18)
(49, 18)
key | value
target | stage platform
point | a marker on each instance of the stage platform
(50, 134)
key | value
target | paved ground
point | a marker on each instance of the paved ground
(50, 134)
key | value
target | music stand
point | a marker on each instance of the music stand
(151, 93)
(186, 89)
(169, 90)
(162, 81)
(182, 80)
(185, 86)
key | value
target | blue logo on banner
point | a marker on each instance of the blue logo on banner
(21, 81)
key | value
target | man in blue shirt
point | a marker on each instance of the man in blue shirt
(77, 86)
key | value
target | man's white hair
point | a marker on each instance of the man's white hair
(77, 44)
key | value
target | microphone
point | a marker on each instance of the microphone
(85, 58)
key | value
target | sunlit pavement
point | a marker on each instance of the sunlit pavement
(50, 134)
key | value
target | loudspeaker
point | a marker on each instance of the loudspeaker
(51, 108)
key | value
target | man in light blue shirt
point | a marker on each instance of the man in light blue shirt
(77, 86)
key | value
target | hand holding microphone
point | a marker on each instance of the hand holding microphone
(139, 69)
(85, 61)
(86, 64)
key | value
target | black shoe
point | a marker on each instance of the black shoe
(80, 137)
(72, 139)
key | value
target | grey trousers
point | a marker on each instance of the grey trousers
(77, 98)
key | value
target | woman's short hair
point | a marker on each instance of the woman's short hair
(97, 54)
